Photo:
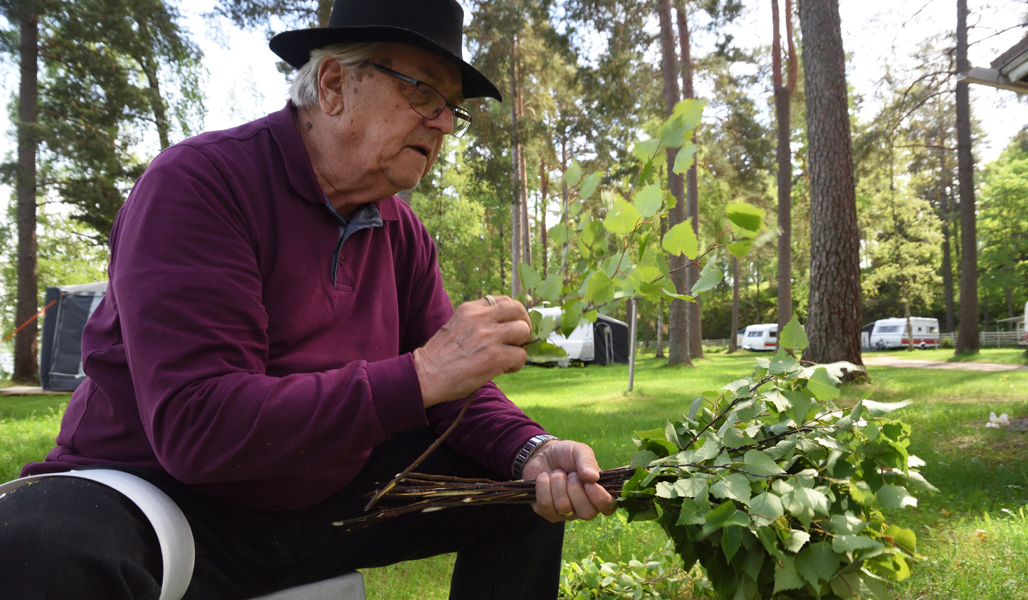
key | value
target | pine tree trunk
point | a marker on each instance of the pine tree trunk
(26, 368)
(833, 323)
(678, 334)
(733, 341)
(967, 334)
(783, 100)
(694, 310)
(515, 157)
(947, 266)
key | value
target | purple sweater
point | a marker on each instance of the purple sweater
(224, 355)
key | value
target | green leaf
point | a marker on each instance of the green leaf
(765, 508)
(904, 538)
(643, 458)
(681, 239)
(570, 317)
(710, 276)
(823, 385)
(692, 487)
(589, 185)
(690, 111)
(894, 496)
(550, 289)
(817, 563)
(649, 200)
(735, 486)
(543, 351)
(786, 576)
(804, 503)
(731, 541)
(622, 218)
(647, 150)
(880, 409)
(594, 234)
(685, 158)
(558, 234)
(782, 363)
(725, 515)
(740, 249)
(792, 336)
(749, 219)
(529, 277)
(796, 540)
(852, 543)
(693, 513)
(760, 463)
(600, 289)
(573, 174)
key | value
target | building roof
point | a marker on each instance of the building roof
(1008, 71)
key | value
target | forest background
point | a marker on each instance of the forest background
(582, 82)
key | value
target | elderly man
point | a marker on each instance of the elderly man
(276, 343)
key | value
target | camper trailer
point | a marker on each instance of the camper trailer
(760, 338)
(884, 334)
(602, 342)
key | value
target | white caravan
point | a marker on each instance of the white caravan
(760, 338)
(892, 333)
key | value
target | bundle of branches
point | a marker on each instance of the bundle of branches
(418, 492)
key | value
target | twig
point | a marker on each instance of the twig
(399, 476)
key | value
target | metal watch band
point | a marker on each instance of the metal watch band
(526, 451)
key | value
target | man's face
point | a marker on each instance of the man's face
(385, 142)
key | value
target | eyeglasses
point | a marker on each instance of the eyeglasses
(430, 103)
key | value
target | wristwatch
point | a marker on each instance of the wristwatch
(526, 452)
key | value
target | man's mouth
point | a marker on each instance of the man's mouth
(423, 150)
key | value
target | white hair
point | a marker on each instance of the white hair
(304, 89)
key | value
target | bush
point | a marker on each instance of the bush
(778, 493)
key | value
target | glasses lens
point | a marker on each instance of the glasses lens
(427, 102)
(461, 121)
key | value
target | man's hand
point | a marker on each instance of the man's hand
(482, 340)
(565, 474)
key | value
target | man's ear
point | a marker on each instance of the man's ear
(331, 78)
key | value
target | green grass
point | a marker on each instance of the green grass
(28, 426)
(973, 533)
(1002, 356)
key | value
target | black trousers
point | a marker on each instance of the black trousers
(66, 538)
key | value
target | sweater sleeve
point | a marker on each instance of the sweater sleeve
(494, 428)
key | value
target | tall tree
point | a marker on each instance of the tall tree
(1003, 228)
(833, 321)
(694, 310)
(967, 334)
(783, 90)
(26, 14)
(86, 153)
(679, 341)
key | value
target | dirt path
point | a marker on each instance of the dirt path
(889, 361)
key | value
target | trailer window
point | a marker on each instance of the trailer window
(889, 329)
(756, 333)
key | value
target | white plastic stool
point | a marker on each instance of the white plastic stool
(176, 538)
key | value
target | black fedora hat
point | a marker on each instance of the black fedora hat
(435, 25)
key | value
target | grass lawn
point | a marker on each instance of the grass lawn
(1002, 356)
(974, 533)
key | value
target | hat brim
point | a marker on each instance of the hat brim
(295, 48)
